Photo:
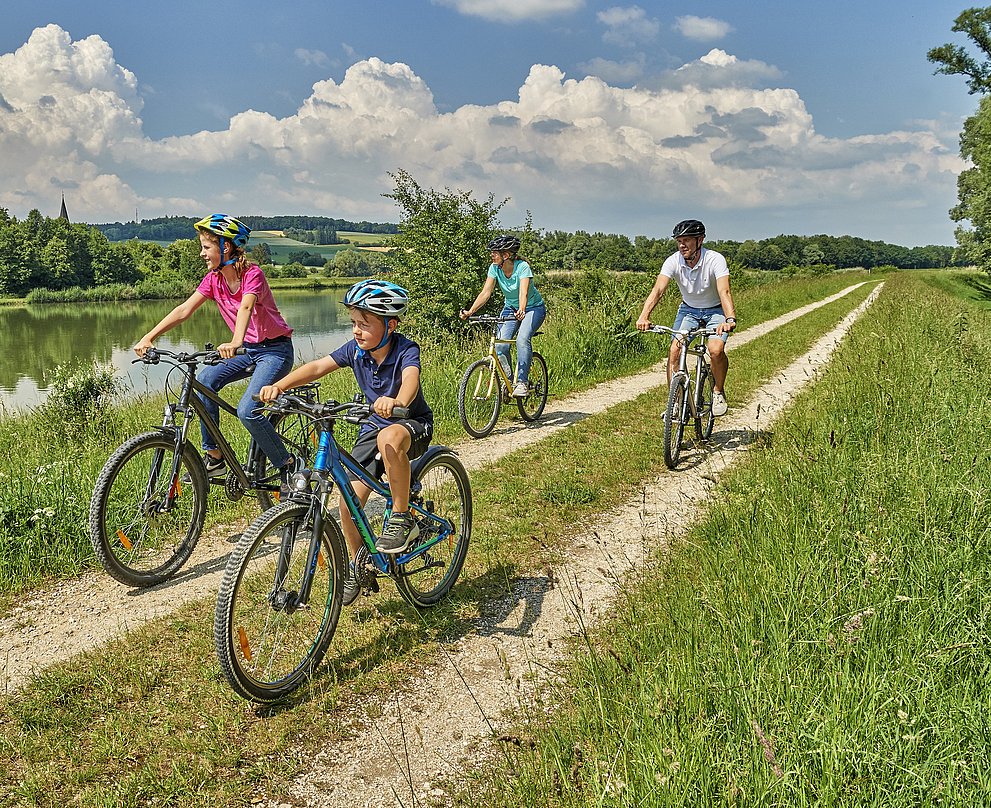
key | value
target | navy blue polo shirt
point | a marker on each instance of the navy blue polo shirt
(385, 379)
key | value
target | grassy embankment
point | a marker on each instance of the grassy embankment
(149, 717)
(821, 639)
(44, 501)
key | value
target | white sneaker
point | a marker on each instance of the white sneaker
(719, 405)
(522, 390)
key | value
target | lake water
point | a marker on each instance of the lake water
(35, 339)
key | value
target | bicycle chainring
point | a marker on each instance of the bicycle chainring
(233, 487)
(365, 571)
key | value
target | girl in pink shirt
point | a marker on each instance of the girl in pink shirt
(245, 300)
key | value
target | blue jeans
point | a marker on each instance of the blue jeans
(523, 329)
(271, 362)
(689, 317)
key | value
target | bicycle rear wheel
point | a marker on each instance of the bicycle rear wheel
(533, 404)
(268, 644)
(704, 419)
(674, 420)
(138, 538)
(479, 398)
(300, 435)
(443, 489)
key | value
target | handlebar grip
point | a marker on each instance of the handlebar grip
(401, 412)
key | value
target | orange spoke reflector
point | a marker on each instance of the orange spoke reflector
(176, 489)
(124, 540)
(242, 640)
(320, 562)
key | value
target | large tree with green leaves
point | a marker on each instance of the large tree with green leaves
(439, 254)
(973, 184)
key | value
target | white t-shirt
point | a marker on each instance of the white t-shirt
(698, 285)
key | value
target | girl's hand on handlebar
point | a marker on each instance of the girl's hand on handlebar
(269, 393)
(143, 346)
(228, 349)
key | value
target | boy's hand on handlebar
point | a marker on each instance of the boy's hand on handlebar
(384, 405)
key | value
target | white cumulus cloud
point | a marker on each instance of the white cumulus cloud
(711, 137)
(512, 10)
(628, 25)
(702, 29)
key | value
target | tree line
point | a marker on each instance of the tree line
(170, 228)
(43, 253)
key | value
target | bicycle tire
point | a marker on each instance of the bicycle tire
(704, 419)
(443, 488)
(479, 398)
(136, 542)
(674, 421)
(266, 651)
(532, 406)
(300, 436)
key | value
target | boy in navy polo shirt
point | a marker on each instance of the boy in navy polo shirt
(386, 366)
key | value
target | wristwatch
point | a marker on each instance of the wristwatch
(731, 320)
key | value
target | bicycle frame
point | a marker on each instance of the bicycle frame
(701, 352)
(493, 355)
(332, 465)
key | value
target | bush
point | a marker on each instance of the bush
(78, 399)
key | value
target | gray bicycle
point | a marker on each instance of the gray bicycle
(690, 393)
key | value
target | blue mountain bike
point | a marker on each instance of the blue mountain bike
(281, 595)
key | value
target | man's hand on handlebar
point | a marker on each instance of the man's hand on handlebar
(643, 324)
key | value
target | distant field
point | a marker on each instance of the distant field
(282, 246)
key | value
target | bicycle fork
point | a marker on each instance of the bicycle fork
(288, 600)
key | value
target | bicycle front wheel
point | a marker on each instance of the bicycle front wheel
(442, 488)
(704, 420)
(144, 521)
(674, 420)
(532, 406)
(268, 641)
(479, 398)
(300, 435)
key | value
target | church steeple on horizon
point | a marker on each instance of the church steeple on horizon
(63, 214)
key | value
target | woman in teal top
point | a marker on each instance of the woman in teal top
(523, 303)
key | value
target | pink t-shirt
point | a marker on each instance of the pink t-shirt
(266, 322)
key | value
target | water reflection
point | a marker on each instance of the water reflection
(34, 339)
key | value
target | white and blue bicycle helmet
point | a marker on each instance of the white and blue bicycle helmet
(384, 298)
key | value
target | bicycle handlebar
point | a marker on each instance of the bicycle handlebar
(686, 335)
(349, 411)
(210, 356)
(488, 319)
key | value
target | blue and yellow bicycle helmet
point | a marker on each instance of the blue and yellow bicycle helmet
(228, 229)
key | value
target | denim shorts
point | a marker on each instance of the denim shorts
(689, 317)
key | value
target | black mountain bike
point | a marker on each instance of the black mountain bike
(149, 503)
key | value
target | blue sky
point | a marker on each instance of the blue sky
(759, 118)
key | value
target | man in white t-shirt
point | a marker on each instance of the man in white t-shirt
(703, 279)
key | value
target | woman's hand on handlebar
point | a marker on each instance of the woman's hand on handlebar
(464, 314)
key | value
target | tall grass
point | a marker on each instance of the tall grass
(821, 639)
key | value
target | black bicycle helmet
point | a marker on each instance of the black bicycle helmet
(689, 227)
(505, 243)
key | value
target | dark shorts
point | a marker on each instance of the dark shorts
(366, 450)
